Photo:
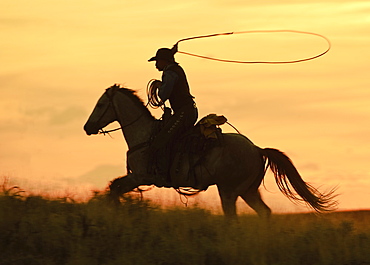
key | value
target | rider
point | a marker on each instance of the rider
(175, 89)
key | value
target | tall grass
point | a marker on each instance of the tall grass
(39, 230)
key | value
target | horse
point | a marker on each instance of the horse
(237, 167)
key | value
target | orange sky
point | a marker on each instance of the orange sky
(57, 57)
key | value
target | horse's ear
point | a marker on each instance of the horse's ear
(113, 89)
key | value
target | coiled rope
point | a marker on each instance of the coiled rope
(152, 92)
(175, 47)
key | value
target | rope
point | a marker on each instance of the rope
(175, 47)
(152, 91)
(232, 126)
(185, 193)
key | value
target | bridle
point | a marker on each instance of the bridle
(111, 104)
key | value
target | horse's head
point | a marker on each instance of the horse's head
(103, 113)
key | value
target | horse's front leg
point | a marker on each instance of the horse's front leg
(121, 185)
(228, 201)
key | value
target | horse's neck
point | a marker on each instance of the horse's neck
(137, 125)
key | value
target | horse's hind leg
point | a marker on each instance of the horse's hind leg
(254, 200)
(228, 201)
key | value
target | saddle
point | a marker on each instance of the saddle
(189, 150)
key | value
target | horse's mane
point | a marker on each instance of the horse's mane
(135, 98)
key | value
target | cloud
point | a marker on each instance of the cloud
(16, 22)
(100, 175)
(56, 116)
(67, 115)
(19, 121)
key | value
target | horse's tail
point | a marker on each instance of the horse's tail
(287, 177)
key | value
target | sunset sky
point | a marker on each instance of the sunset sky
(57, 57)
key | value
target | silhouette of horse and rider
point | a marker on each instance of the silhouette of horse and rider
(232, 162)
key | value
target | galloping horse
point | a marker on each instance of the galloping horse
(237, 166)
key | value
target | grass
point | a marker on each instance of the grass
(39, 230)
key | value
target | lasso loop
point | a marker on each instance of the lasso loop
(175, 47)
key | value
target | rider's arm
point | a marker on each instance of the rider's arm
(169, 79)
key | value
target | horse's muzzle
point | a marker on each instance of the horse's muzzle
(90, 129)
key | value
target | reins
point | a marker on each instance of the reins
(175, 47)
(104, 132)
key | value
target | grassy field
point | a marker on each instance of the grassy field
(39, 230)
